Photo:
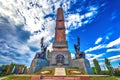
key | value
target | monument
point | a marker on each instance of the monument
(60, 55)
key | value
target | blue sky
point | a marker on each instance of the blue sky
(24, 22)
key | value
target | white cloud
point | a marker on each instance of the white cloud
(72, 56)
(116, 57)
(90, 57)
(98, 40)
(114, 43)
(113, 50)
(89, 14)
(95, 48)
(31, 14)
(94, 56)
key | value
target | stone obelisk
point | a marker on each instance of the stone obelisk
(60, 56)
(60, 37)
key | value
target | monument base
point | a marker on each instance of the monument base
(60, 59)
(38, 64)
(83, 64)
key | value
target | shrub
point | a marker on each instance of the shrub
(17, 78)
(105, 73)
(107, 78)
(117, 72)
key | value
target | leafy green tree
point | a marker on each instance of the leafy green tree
(94, 70)
(109, 67)
(97, 66)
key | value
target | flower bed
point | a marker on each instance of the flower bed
(73, 71)
(46, 71)
(42, 72)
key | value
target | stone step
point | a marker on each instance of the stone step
(65, 78)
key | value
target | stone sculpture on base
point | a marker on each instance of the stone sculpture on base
(39, 60)
(80, 61)
(78, 54)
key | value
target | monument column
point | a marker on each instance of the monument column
(60, 37)
(60, 54)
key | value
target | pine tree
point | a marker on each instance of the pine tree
(109, 67)
(97, 66)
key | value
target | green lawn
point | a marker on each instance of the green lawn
(108, 78)
(17, 78)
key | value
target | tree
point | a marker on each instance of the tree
(97, 66)
(109, 67)
(94, 70)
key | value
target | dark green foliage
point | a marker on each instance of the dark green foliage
(117, 72)
(107, 78)
(97, 66)
(17, 78)
(109, 67)
(94, 70)
(5, 67)
(105, 73)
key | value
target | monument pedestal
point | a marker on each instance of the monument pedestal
(60, 58)
(37, 64)
(83, 64)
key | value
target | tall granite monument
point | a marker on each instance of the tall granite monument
(60, 54)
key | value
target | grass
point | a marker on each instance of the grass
(51, 70)
(107, 78)
(17, 78)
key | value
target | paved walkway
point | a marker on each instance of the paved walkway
(60, 72)
(35, 78)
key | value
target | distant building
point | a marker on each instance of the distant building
(118, 68)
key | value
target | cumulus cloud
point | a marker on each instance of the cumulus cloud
(32, 14)
(30, 20)
(113, 50)
(114, 58)
(98, 40)
(114, 43)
